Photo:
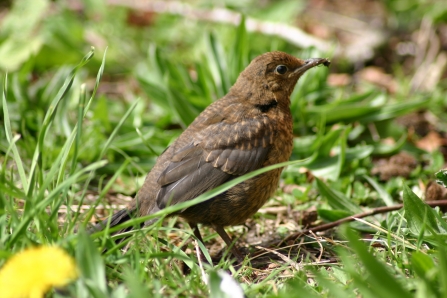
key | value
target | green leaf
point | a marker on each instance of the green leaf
(364, 112)
(91, 266)
(326, 167)
(32, 12)
(240, 52)
(332, 215)
(426, 269)
(384, 195)
(117, 128)
(49, 116)
(136, 286)
(42, 202)
(334, 287)
(18, 52)
(329, 141)
(377, 277)
(12, 140)
(22, 37)
(385, 149)
(298, 285)
(336, 199)
(341, 155)
(391, 111)
(441, 177)
(181, 107)
(218, 64)
(358, 152)
(442, 253)
(420, 217)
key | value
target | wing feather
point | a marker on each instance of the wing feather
(213, 158)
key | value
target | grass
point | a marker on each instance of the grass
(81, 128)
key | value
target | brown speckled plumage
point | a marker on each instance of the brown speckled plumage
(247, 129)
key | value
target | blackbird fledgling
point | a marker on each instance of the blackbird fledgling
(247, 129)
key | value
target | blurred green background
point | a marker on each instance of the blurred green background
(78, 139)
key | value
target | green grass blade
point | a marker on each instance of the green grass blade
(381, 282)
(384, 195)
(117, 128)
(43, 203)
(95, 88)
(91, 265)
(49, 117)
(78, 128)
(10, 138)
(336, 199)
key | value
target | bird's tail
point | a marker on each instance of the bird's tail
(118, 218)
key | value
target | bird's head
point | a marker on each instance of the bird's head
(274, 72)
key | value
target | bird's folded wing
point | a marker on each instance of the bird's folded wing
(220, 152)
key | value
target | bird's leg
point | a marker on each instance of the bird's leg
(221, 231)
(196, 231)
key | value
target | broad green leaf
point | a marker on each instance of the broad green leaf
(336, 199)
(286, 11)
(420, 217)
(385, 149)
(295, 286)
(326, 168)
(358, 152)
(345, 113)
(387, 199)
(441, 177)
(329, 141)
(390, 111)
(332, 215)
(365, 113)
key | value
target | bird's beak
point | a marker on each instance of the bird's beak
(308, 64)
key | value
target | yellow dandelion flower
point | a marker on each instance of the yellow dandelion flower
(34, 271)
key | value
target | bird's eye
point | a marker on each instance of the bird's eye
(281, 69)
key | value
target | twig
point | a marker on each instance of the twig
(374, 211)
(283, 257)
(319, 243)
(292, 34)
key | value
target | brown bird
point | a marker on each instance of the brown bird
(247, 129)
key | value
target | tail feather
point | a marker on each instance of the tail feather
(118, 218)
